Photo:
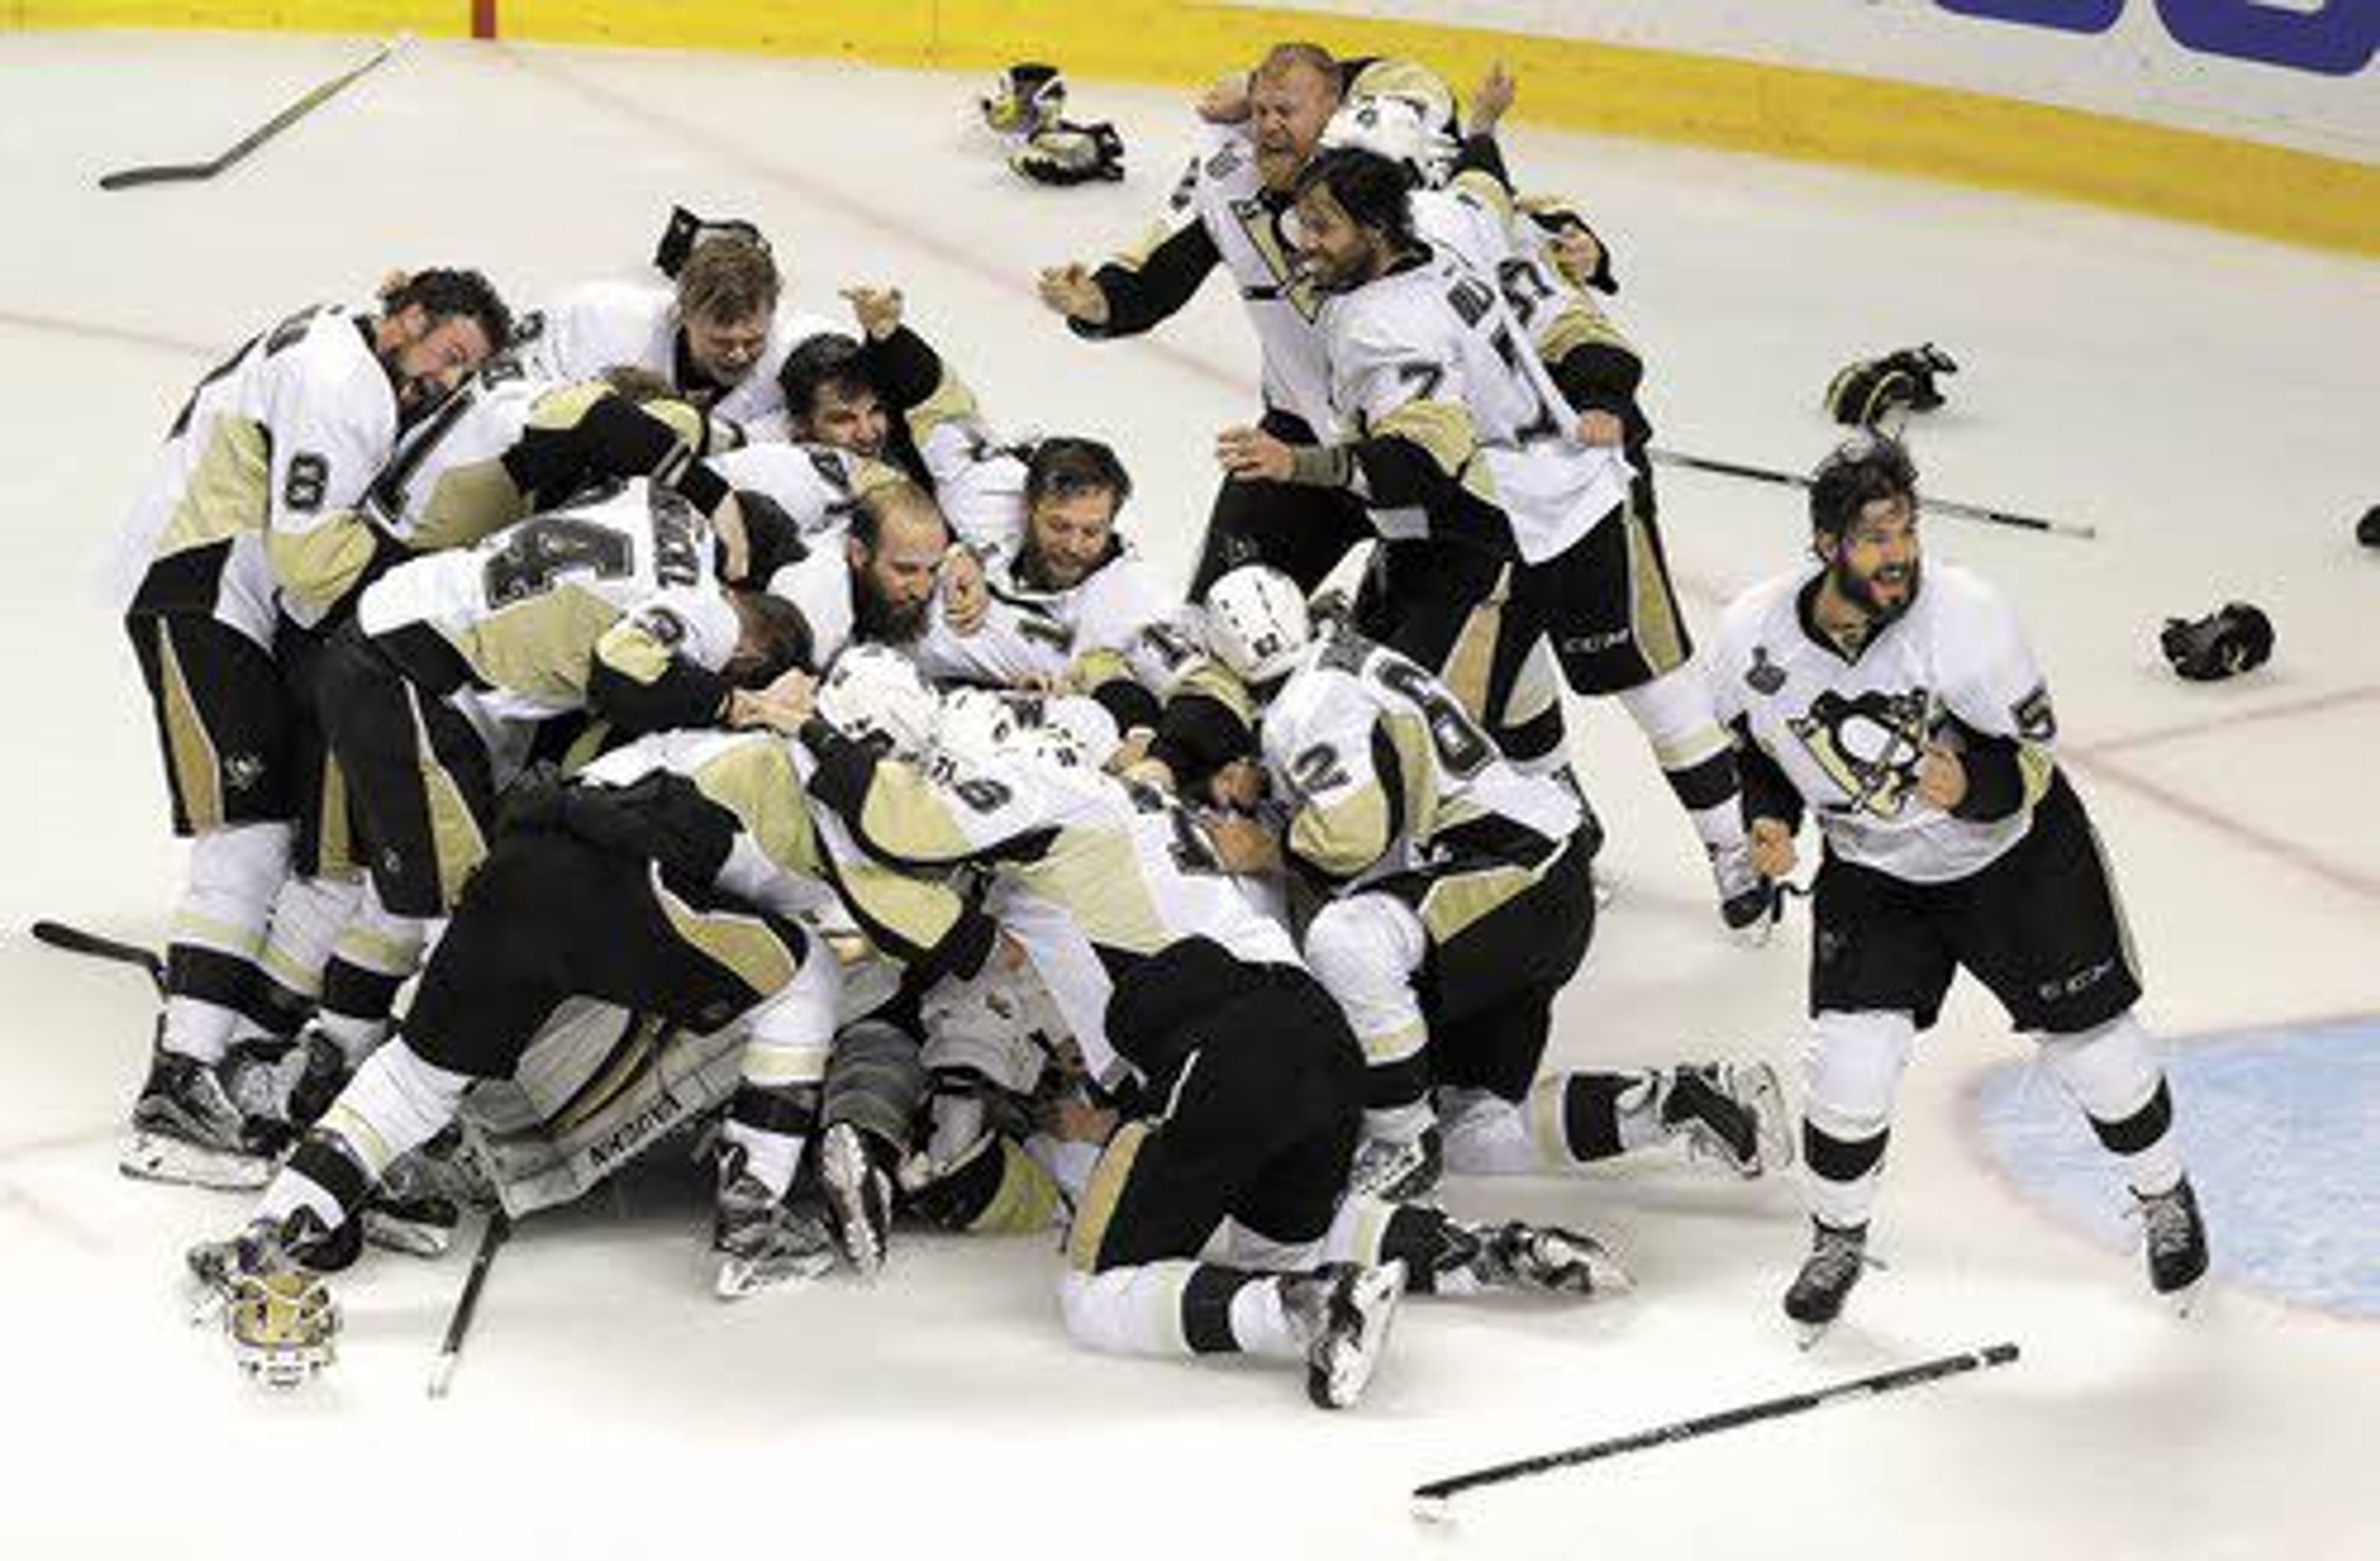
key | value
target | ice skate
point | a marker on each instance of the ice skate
(858, 1197)
(1733, 1113)
(186, 1130)
(765, 1242)
(1398, 1170)
(1544, 1258)
(1837, 1257)
(1342, 1313)
(2176, 1238)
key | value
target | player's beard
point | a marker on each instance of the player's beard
(874, 620)
(1860, 591)
(418, 396)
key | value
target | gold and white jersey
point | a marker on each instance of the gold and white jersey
(250, 504)
(1221, 191)
(751, 808)
(817, 484)
(604, 324)
(1031, 633)
(1089, 874)
(627, 577)
(1431, 354)
(1384, 776)
(458, 477)
(1849, 733)
(1474, 218)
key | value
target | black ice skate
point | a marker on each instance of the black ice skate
(1734, 1114)
(184, 1129)
(2176, 1238)
(764, 1241)
(1398, 1170)
(858, 1197)
(1544, 1258)
(1341, 1312)
(1816, 1297)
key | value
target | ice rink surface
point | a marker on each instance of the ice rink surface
(2208, 402)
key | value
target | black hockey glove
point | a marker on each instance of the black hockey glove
(685, 230)
(2236, 639)
(1068, 154)
(1861, 395)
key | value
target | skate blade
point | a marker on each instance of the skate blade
(417, 1235)
(2185, 1299)
(1807, 1335)
(149, 1156)
(741, 1277)
(843, 1172)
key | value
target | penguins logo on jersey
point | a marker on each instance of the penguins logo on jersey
(1263, 226)
(1869, 744)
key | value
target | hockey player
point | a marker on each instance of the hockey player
(718, 337)
(874, 584)
(1230, 210)
(249, 513)
(1460, 903)
(510, 444)
(617, 606)
(1501, 527)
(667, 881)
(1899, 701)
(1242, 1085)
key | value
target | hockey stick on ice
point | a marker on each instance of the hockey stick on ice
(175, 173)
(442, 1372)
(1428, 1500)
(74, 940)
(1940, 506)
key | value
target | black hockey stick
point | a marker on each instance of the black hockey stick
(174, 173)
(74, 940)
(1940, 506)
(1426, 1497)
(441, 1373)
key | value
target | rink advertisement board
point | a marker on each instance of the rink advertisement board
(2256, 116)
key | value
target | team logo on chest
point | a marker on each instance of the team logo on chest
(1868, 744)
(1262, 225)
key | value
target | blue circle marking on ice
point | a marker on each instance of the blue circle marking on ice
(2280, 1130)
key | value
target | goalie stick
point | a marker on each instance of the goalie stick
(175, 173)
(450, 1353)
(1925, 500)
(74, 940)
(1429, 1499)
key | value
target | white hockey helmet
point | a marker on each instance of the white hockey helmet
(1256, 622)
(1397, 129)
(874, 693)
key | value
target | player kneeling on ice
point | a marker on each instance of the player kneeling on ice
(1242, 1087)
(1902, 703)
(1461, 900)
(666, 881)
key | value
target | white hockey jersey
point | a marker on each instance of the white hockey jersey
(1087, 873)
(1848, 734)
(602, 324)
(1221, 190)
(1431, 352)
(260, 473)
(817, 484)
(628, 576)
(1382, 773)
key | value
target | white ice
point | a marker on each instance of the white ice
(2196, 397)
